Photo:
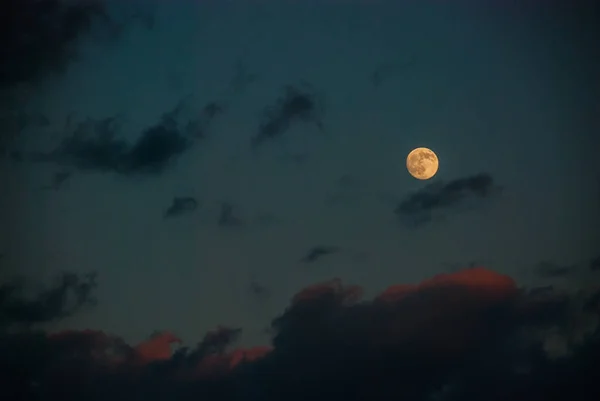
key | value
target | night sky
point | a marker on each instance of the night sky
(207, 162)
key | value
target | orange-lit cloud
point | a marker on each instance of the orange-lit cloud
(157, 348)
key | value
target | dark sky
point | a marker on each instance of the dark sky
(211, 161)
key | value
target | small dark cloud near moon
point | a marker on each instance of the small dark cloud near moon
(180, 206)
(317, 252)
(296, 104)
(442, 198)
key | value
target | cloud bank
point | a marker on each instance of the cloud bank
(472, 334)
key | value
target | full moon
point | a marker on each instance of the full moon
(422, 163)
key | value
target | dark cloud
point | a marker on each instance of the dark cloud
(469, 335)
(227, 217)
(442, 198)
(66, 296)
(181, 205)
(156, 147)
(318, 252)
(296, 104)
(92, 146)
(39, 36)
(96, 145)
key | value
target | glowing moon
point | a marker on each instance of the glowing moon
(422, 163)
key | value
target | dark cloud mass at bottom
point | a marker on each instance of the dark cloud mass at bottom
(472, 334)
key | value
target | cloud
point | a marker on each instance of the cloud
(296, 104)
(441, 198)
(180, 205)
(95, 145)
(66, 296)
(39, 37)
(317, 252)
(472, 334)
